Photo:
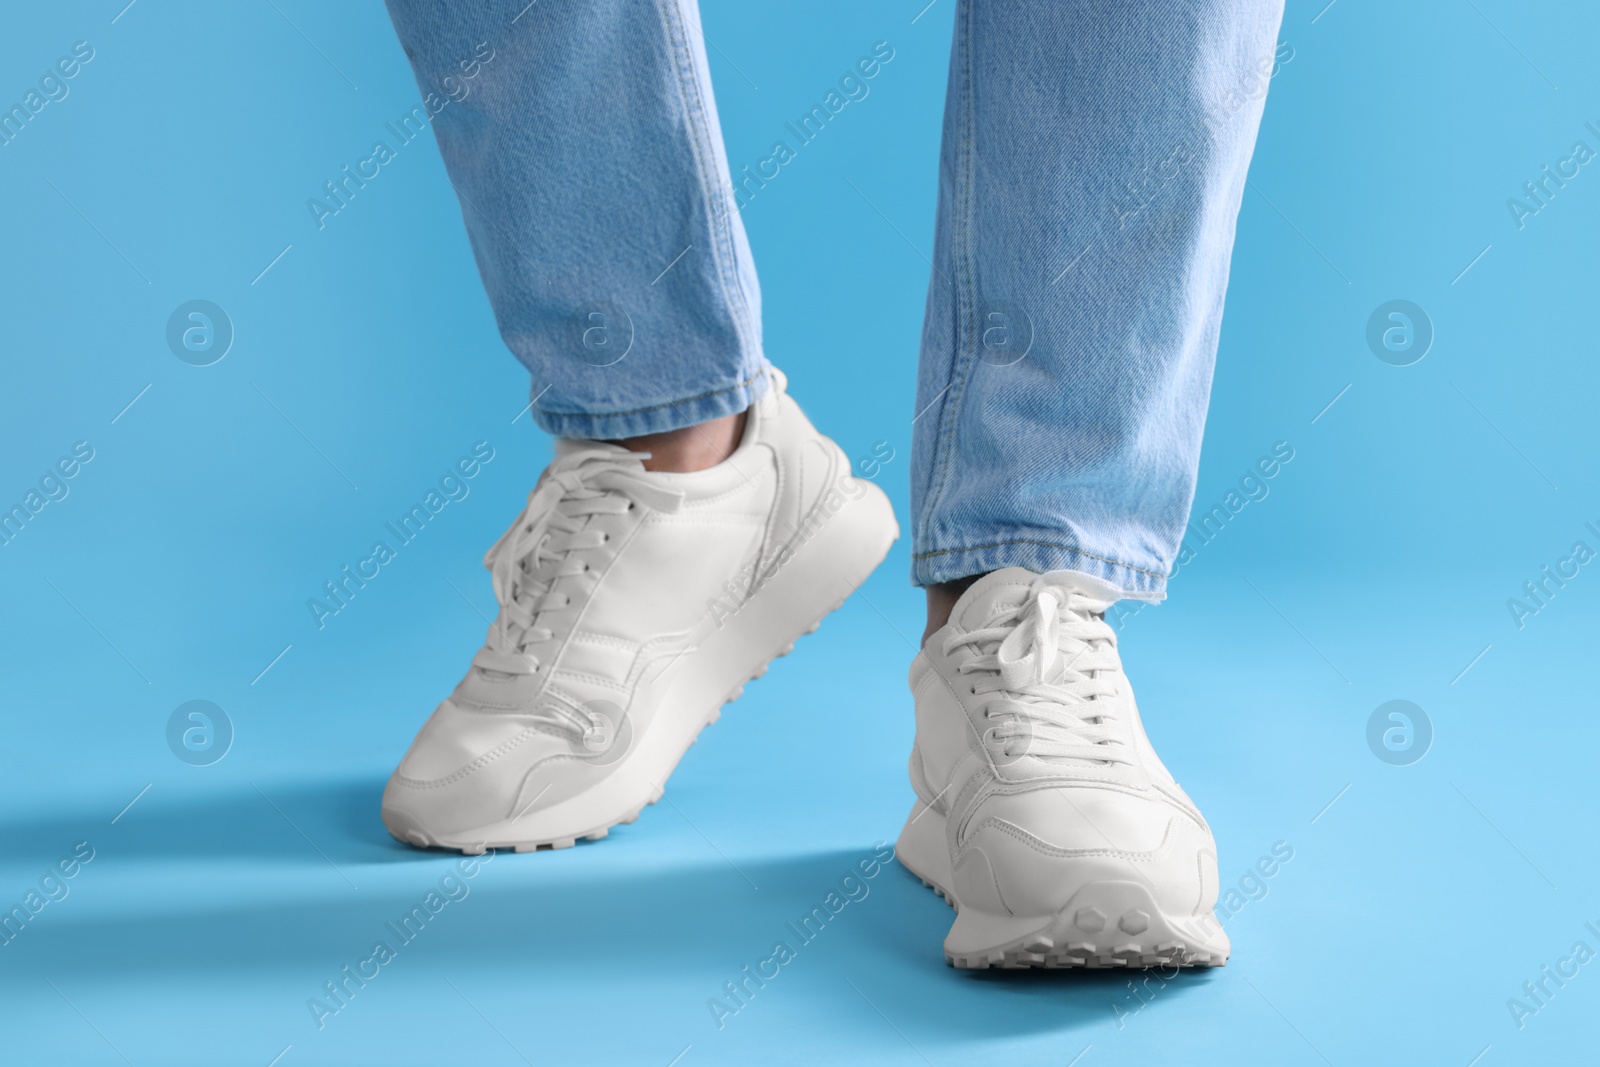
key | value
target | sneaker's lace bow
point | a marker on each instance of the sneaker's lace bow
(1052, 660)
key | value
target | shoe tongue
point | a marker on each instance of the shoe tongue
(1011, 587)
(567, 446)
(995, 592)
(741, 470)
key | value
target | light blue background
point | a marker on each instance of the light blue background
(180, 563)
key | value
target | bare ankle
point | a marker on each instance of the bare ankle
(692, 448)
(941, 600)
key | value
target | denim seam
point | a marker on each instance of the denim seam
(653, 407)
(1041, 544)
(961, 252)
(705, 157)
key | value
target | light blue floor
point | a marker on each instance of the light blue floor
(1419, 898)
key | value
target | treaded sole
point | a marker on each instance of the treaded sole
(1105, 925)
(1042, 951)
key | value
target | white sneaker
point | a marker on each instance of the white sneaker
(634, 604)
(1044, 816)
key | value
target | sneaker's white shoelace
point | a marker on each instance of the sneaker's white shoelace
(537, 550)
(1052, 658)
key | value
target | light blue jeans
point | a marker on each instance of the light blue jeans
(1093, 162)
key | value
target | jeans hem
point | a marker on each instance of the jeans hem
(949, 564)
(657, 418)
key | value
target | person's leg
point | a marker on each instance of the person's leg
(1093, 162)
(583, 144)
(644, 585)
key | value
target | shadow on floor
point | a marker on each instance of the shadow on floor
(220, 884)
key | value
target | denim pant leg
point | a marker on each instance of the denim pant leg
(583, 143)
(1093, 161)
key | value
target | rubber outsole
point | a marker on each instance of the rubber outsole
(1043, 950)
